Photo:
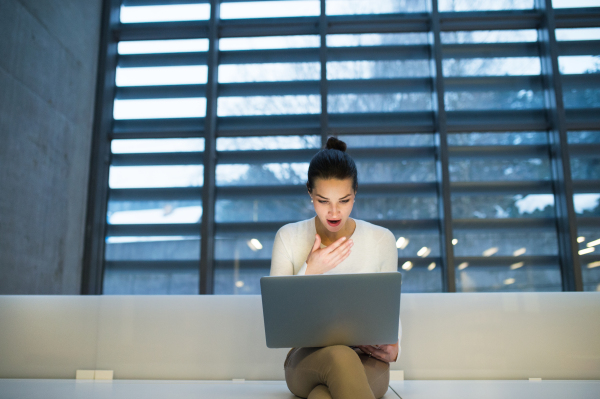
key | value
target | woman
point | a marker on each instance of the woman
(332, 242)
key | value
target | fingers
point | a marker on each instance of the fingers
(341, 254)
(337, 244)
(317, 243)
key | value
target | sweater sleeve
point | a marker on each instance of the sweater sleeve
(389, 263)
(281, 259)
(389, 253)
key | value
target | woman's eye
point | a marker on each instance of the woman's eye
(345, 201)
(323, 202)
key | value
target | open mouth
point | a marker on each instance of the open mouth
(334, 222)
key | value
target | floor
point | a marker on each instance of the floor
(149, 389)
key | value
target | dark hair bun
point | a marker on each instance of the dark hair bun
(335, 144)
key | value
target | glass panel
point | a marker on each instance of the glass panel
(474, 5)
(270, 9)
(574, 3)
(401, 171)
(267, 143)
(396, 102)
(237, 271)
(584, 168)
(421, 278)
(376, 39)
(178, 12)
(425, 245)
(269, 42)
(481, 100)
(154, 212)
(489, 36)
(395, 208)
(281, 72)
(505, 279)
(377, 69)
(296, 173)
(577, 34)
(583, 137)
(489, 138)
(286, 209)
(262, 174)
(132, 146)
(578, 64)
(581, 98)
(589, 250)
(425, 274)
(163, 46)
(269, 105)
(387, 140)
(151, 76)
(156, 176)
(514, 66)
(160, 108)
(263, 210)
(534, 168)
(587, 204)
(501, 243)
(349, 7)
(502, 206)
(120, 282)
(238, 281)
(153, 248)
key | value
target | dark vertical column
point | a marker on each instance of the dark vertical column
(559, 151)
(207, 246)
(95, 225)
(441, 159)
(324, 83)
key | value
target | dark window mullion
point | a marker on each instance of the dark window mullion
(207, 244)
(95, 228)
(441, 161)
(559, 155)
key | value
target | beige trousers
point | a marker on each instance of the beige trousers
(337, 372)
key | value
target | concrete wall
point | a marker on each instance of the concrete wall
(48, 63)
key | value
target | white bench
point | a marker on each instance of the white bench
(508, 336)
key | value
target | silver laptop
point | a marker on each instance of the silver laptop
(332, 309)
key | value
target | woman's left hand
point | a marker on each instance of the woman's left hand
(385, 353)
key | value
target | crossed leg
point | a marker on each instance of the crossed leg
(335, 372)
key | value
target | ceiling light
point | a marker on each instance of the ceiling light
(239, 284)
(401, 243)
(423, 252)
(593, 243)
(509, 281)
(490, 251)
(516, 265)
(432, 266)
(593, 264)
(586, 251)
(463, 265)
(254, 244)
(580, 239)
(407, 265)
(454, 241)
(519, 251)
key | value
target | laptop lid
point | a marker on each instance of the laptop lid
(332, 309)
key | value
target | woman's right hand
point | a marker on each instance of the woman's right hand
(321, 260)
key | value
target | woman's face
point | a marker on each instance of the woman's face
(333, 200)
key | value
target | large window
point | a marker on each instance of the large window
(474, 125)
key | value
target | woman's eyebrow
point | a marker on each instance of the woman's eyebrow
(345, 196)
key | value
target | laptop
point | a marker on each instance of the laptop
(331, 309)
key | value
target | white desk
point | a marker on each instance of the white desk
(163, 389)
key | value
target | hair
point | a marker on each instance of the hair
(332, 162)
